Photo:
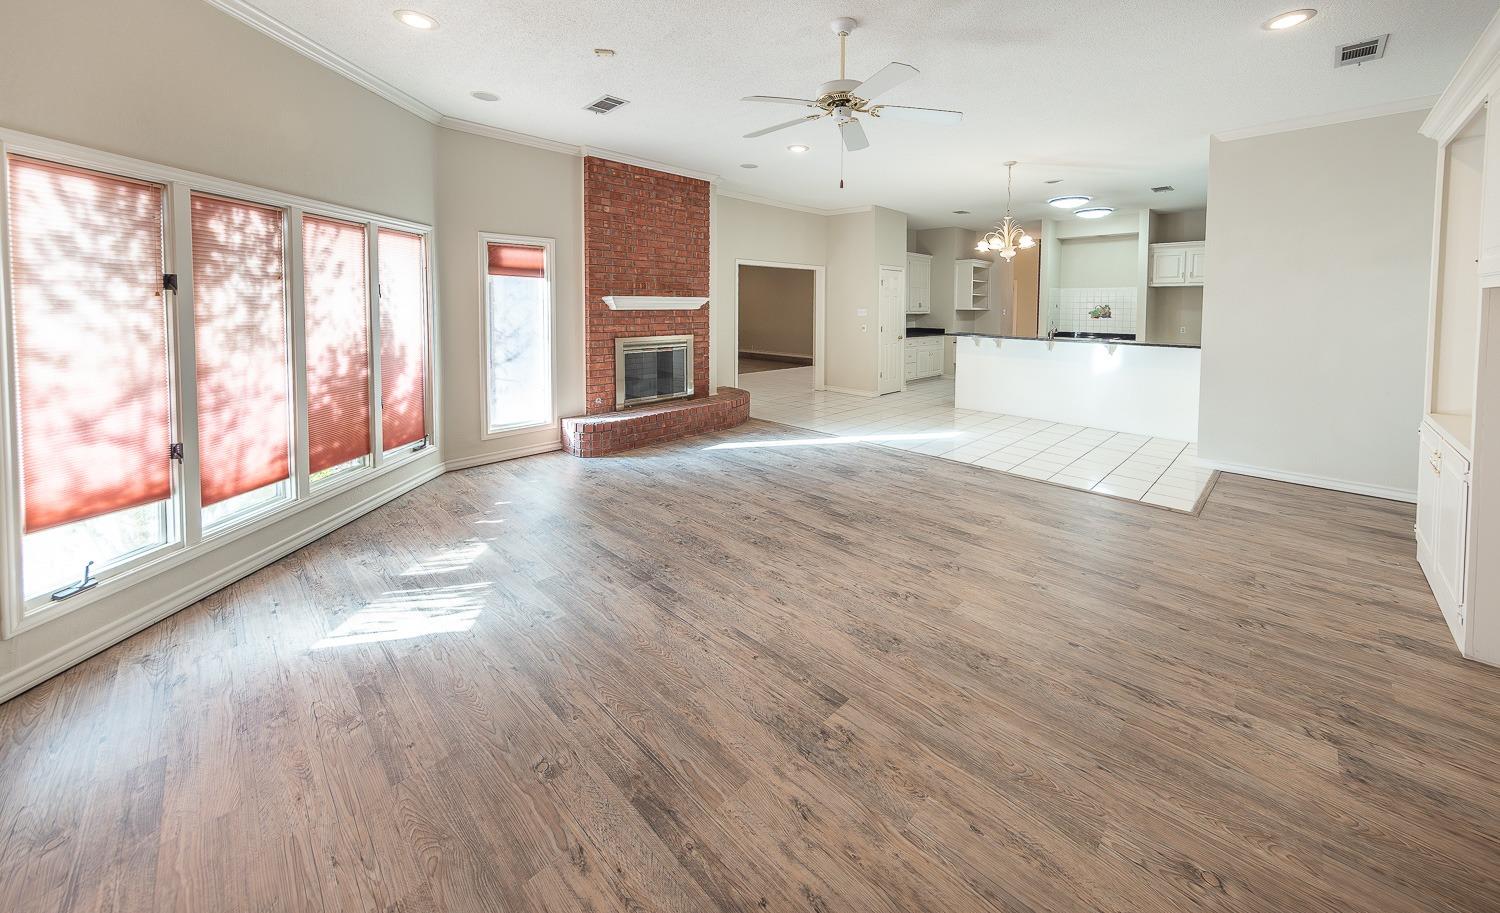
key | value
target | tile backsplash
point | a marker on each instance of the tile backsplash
(1071, 307)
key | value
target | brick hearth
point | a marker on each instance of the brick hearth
(601, 435)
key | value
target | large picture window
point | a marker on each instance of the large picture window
(92, 369)
(336, 309)
(518, 333)
(239, 321)
(403, 338)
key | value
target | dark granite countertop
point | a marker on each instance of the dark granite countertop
(1070, 339)
(916, 332)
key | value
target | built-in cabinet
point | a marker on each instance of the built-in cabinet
(924, 356)
(1177, 263)
(971, 285)
(1458, 440)
(918, 283)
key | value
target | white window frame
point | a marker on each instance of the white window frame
(487, 430)
(16, 616)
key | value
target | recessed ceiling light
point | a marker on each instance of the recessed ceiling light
(420, 21)
(485, 96)
(1071, 201)
(1093, 212)
(748, 165)
(960, 212)
(797, 148)
(1053, 181)
(1290, 19)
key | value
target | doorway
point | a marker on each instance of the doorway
(892, 330)
(779, 321)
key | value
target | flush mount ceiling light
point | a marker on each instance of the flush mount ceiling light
(1071, 201)
(1053, 181)
(748, 165)
(797, 148)
(960, 212)
(1008, 237)
(419, 21)
(1289, 19)
(1093, 212)
(485, 96)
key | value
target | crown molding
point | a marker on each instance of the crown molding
(794, 207)
(1404, 106)
(1476, 78)
(624, 159)
(274, 28)
(460, 125)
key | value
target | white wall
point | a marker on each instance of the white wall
(852, 339)
(1315, 313)
(178, 83)
(486, 185)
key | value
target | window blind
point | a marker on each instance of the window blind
(517, 260)
(239, 316)
(89, 313)
(403, 337)
(338, 351)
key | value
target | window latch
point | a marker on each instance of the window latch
(176, 452)
(73, 589)
(169, 282)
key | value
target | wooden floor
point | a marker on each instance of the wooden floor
(799, 678)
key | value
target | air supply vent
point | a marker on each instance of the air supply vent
(1165, 188)
(1360, 52)
(606, 104)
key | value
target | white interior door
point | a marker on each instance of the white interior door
(892, 329)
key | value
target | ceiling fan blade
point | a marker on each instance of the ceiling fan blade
(780, 100)
(790, 123)
(853, 135)
(923, 115)
(889, 77)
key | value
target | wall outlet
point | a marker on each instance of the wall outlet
(1182, 331)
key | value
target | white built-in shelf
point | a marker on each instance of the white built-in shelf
(652, 303)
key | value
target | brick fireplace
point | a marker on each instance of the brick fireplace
(644, 233)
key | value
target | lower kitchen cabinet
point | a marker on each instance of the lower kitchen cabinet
(924, 356)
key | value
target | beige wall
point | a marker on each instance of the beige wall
(853, 286)
(1176, 315)
(1458, 323)
(1107, 262)
(1184, 225)
(176, 82)
(485, 185)
(1315, 312)
(776, 311)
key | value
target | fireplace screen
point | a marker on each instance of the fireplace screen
(652, 368)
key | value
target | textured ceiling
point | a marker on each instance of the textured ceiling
(1113, 97)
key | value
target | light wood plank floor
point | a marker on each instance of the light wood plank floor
(820, 679)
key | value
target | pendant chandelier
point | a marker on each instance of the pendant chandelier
(1007, 237)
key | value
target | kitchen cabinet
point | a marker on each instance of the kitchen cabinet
(924, 356)
(918, 283)
(971, 285)
(1177, 263)
(1442, 528)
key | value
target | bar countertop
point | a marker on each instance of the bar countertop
(1070, 339)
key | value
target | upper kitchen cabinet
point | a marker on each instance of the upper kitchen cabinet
(918, 283)
(1179, 263)
(971, 285)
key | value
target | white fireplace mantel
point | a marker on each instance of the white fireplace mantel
(652, 303)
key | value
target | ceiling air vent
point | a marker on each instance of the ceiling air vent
(606, 104)
(1165, 188)
(1360, 52)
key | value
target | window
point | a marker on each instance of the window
(92, 376)
(403, 338)
(518, 333)
(336, 313)
(239, 322)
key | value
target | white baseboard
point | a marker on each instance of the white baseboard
(850, 392)
(1297, 478)
(500, 456)
(773, 356)
(44, 667)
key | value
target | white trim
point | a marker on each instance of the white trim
(652, 303)
(274, 28)
(773, 356)
(460, 125)
(637, 161)
(1296, 478)
(44, 667)
(820, 316)
(500, 456)
(1476, 78)
(1325, 120)
(851, 392)
(12, 596)
(487, 430)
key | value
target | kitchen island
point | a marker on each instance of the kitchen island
(1119, 385)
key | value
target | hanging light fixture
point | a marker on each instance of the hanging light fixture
(1008, 237)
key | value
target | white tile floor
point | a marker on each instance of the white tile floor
(923, 420)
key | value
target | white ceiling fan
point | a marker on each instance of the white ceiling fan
(844, 98)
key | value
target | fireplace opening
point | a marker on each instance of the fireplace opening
(649, 369)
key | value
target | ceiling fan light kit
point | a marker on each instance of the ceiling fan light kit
(844, 99)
